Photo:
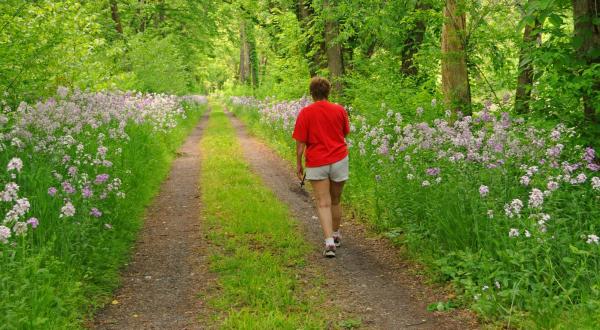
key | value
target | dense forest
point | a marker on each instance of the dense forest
(154, 46)
(536, 57)
(528, 57)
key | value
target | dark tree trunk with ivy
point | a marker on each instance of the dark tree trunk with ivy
(335, 62)
(249, 66)
(314, 55)
(116, 17)
(141, 16)
(162, 9)
(252, 55)
(587, 42)
(414, 41)
(525, 79)
(244, 69)
(455, 74)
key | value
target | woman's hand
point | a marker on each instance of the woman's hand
(299, 172)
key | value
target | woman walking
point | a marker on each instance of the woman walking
(320, 133)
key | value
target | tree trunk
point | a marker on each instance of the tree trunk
(114, 10)
(252, 54)
(315, 60)
(587, 39)
(525, 79)
(335, 62)
(244, 55)
(141, 16)
(413, 42)
(263, 65)
(161, 11)
(159, 16)
(455, 75)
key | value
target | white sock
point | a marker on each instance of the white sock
(329, 241)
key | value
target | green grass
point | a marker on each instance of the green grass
(259, 255)
(530, 284)
(62, 273)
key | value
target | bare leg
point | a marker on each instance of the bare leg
(323, 200)
(335, 191)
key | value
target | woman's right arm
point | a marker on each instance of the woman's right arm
(300, 146)
(300, 134)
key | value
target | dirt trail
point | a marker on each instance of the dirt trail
(168, 269)
(367, 278)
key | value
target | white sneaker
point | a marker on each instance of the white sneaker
(337, 240)
(329, 251)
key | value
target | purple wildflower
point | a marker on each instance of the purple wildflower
(589, 154)
(596, 183)
(593, 239)
(10, 192)
(536, 198)
(102, 150)
(552, 185)
(484, 190)
(52, 191)
(33, 222)
(514, 208)
(101, 178)
(4, 234)
(15, 164)
(433, 171)
(95, 212)
(68, 210)
(72, 171)
(68, 187)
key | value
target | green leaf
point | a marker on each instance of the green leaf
(555, 20)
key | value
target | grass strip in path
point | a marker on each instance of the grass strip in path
(259, 253)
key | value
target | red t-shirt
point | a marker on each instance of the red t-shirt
(323, 127)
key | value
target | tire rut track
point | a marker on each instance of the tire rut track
(169, 266)
(367, 278)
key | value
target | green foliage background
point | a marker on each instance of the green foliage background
(45, 44)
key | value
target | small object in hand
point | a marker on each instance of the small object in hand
(302, 182)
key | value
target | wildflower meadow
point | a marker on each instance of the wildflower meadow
(79, 169)
(504, 209)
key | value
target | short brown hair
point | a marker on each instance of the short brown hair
(319, 88)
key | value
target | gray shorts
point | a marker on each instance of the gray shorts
(336, 172)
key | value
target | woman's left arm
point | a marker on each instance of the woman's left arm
(346, 128)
